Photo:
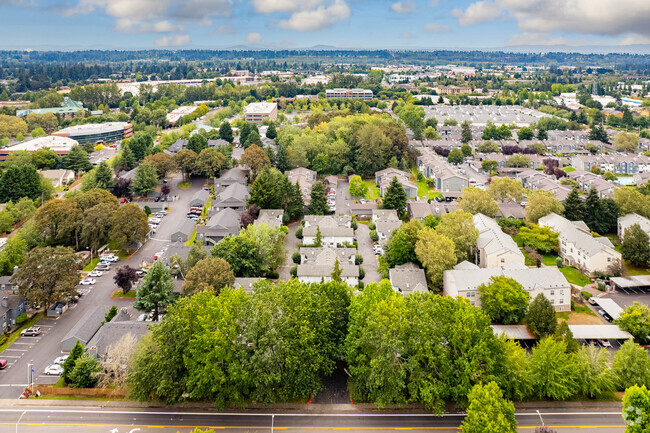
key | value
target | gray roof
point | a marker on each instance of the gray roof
(387, 227)
(226, 218)
(326, 255)
(630, 219)
(576, 234)
(114, 331)
(235, 174)
(186, 228)
(389, 214)
(270, 217)
(329, 225)
(491, 238)
(246, 283)
(85, 328)
(201, 195)
(13, 303)
(234, 192)
(408, 278)
(325, 271)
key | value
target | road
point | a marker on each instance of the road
(46, 347)
(109, 420)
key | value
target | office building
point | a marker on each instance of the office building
(97, 132)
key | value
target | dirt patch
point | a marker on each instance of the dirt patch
(581, 319)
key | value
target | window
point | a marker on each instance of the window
(562, 292)
(503, 260)
(552, 292)
(609, 259)
(553, 301)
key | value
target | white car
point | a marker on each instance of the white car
(87, 281)
(95, 274)
(110, 258)
(54, 369)
(60, 360)
(154, 220)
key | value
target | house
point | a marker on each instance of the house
(112, 332)
(494, 248)
(378, 214)
(464, 280)
(386, 222)
(7, 285)
(305, 178)
(58, 178)
(627, 221)
(511, 210)
(270, 217)
(246, 283)
(310, 255)
(11, 306)
(224, 223)
(334, 230)
(184, 232)
(408, 278)
(85, 328)
(320, 267)
(578, 247)
(363, 210)
(421, 208)
(234, 175)
(177, 146)
(233, 197)
(200, 198)
(384, 177)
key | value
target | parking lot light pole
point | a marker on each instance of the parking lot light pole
(31, 371)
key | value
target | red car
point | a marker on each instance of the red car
(3, 364)
(122, 200)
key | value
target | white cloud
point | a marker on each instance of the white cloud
(320, 18)
(272, 6)
(435, 27)
(403, 7)
(635, 39)
(173, 41)
(433, 3)
(528, 38)
(224, 29)
(406, 35)
(127, 25)
(594, 17)
(254, 38)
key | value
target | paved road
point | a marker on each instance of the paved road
(369, 258)
(343, 198)
(45, 348)
(108, 420)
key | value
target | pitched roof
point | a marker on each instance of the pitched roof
(226, 218)
(408, 278)
(270, 217)
(326, 255)
(576, 234)
(86, 327)
(630, 219)
(491, 238)
(236, 191)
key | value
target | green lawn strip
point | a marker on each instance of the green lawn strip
(90, 266)
(549, 259)
(191, 239)
(574, 276)
(373, 192)
(60, 383)
(14, 335)
(206, 208)
(425, 191)
(528, 260)
(568, 169)
(124, 254)
(131, 294)
(635, 270)
(583, 309)
(184, 185)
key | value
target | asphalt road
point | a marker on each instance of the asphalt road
(109, 420)
(46, 347)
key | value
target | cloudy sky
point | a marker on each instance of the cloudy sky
(129, 24)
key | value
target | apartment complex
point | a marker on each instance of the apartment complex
(364, 94)
(494, 248)
(257, 112)
(453, 90)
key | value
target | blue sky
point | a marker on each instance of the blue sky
(134, 24)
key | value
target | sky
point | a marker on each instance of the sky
(280, 24)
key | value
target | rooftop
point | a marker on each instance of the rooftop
(57, 144)
(93, 128)
(260, 107)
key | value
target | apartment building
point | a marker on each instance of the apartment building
(494, 248)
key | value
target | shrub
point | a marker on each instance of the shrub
(22, 318)
(362, 273)
(296, 257)
(601, 285)
(358, 259)
(371, 226)
(361, 285)
(383, 268)
(294, 272)
(299, 232)
(559, 262)
(374, 236)
(587, 295)
(147, 210)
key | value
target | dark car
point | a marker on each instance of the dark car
(3, 364)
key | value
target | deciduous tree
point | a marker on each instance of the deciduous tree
(436, 253)
(542, 203)
(155, 291)
(504, 300)
(459, 227)
(506, 189)
(474, 200)
(636, 246)
(635, 319)
(489, 411)
(124, 278)
(212, 274)
(541, 320)
(130, 225)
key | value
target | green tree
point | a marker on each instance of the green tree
(636, 409)
(255, 158)
(518, 160)
(553, 370)
(130, 225)
(209, 162)
(155, 291)
(104, 176)
(85, 372)
(68, 365)
(373, 149)
(541, 320)
(211, 274)
(574, 207)
(163, 162)
(436, 253)
(593, 374)
(18, 182)
(145, 180)
(225, 132)
(636, 246)
(542, 203)
(626, 142)
(635, 319)
(466, 149)
(631, 365)
(516, 381)
(186, 162)
(77, 160)
(253, 139)
(400, 247)
(489, 165)
(542, 239)
(504, 300)
(127, 159)
(358, 187)
(318, 204)
(336, 273)
(459, 227)
(456, 156)
(525, 133)
(608, 175)
(45, 159)
(395, 197)
(489, 411)
(271, 132)
(268, 189)
(630, 200)
(488, 147)
(506, 189)
(46, 275)
(563, 333)
(197, 143)
(140, 144)
(475, 200)
(466, 131)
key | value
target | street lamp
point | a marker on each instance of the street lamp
(272, 420)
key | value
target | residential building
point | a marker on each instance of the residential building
(319, 266)
(224, 223)
(270, 217)
(334, 230)
(494, 248)
(200, 198)
(408, 278)
(465, 279)
(625, 163)
(234, 175)
(11, 306)
(97, 132)
(364, 94)
(68, 109)
(184, 232)
(257, 112)
(112, 332)
(85, 328)
(384, 177)
(248, 284)
(419, 209)
(578, 247)
(453, 90)
(627, 221)
(58, 177)
(60, 145)
(386, 222)
(306, 178)
(234, 197)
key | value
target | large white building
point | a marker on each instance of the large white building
(257, 112)
(493, 247)
(364, 94)
(466, 277)
(97, 132)
(60, 145)
(578, 247)
(627, 221)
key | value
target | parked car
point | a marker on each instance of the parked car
(109, 258)
(593, 301)
(87, 281)
(31, 332)
(103, 266)
(3, 364)
(154, 220)
(54, 369)
(96, 273)
(604, 343)
(161, 214)
(141, 272)
(60, 360)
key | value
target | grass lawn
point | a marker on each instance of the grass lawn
(549, 259)
(184, 185)
(528, 260)
(124, 254)
(60, 383)
(635, 270)
(574, 276)
(14, 335)
(583, 309)
(373, 190)
(119, 294)
(90, 266)
(568, 169)
(425, 191)
(579, 318)
(191, 239)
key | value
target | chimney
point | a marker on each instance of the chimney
(5, 302)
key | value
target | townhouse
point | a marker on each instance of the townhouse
(408, 278)
(334, 230)
(494, 248)
(384, 177)
(386, 222)
(317, 264)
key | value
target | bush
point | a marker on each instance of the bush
(294, 272)
(371, 226)
(147, 210)
(296, 257)
(84, 374)
(559, 262)
(374, 236)
(383, 268)
(601, 285)
(362, 273)
(299, 232)
(358, 259)
(361, 285)
(22, 318)
(587, 295)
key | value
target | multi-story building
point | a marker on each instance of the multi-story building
(384, 177)
(97, 132)
(317, 264)
(68, 109)
(334, 230)
(493, 247)
(257, 112)
(627, 221)
(60, 145)
(453, 90)
(364, 94)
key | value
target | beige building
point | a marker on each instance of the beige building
(578, 247)
(317, 264)
(334, 230)
(257, 112)
(453, 90)
(494, 248)
(627, 221)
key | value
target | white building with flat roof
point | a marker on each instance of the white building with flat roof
(174, 116)
(257, 112)
(60, 145)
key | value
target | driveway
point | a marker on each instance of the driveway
(369, 258)
(291, 244)
(343, 198)
(45, 348)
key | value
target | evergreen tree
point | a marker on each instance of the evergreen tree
(104, 176)
(541, 318)
(318, 204)
(281, 160)
(336, 273)
(574, 207)
(395, 197)
(126, 158)
(592, 210)
(271, 132)
(140, 145)
(244, 132)
(466, 131)
(318, 240)
(18, 182)
(225, 132)
(68, 365)
(253, 138)
(267, 191)
(145, 179)
(295, 204)
(77, 160)
(627, 119)
(635, 246)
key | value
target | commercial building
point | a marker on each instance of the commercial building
(453, 90)
(174, 116)
(364, 94)
(60, 145)
(97, 132)
(257, 112)
(67, 110)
